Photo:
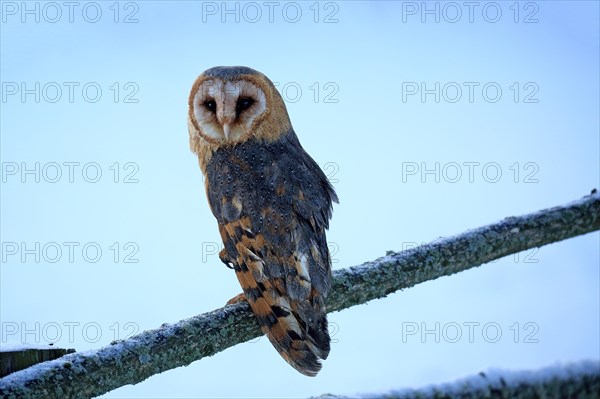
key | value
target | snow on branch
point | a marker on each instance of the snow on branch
(92, 373)
(578, 380)
(472, 248)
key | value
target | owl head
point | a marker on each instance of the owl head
(229, 105)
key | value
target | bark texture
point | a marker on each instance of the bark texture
(580, 380)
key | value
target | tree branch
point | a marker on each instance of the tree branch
(95, 372)
(472, 248)
(579, 380)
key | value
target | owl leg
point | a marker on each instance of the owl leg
(225, 259)
(236, 299)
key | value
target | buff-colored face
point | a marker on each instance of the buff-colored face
(226, 111)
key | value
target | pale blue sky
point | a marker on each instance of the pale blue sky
(350, 89)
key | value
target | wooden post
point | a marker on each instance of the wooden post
(19, 358)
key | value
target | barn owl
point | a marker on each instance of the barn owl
(272, 203)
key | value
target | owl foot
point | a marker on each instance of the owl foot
(236, 299)
(225, 259)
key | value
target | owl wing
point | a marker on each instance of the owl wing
(273, 204)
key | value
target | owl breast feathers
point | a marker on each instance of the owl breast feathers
(272, 203)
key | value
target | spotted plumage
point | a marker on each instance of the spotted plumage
(272, 203)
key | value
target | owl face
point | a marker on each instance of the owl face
(228, 105)
(226, 110)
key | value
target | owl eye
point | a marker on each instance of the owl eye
(211, 105)
(243, 104)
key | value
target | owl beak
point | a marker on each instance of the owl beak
(226, 130)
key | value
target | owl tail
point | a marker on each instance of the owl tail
(297, 329)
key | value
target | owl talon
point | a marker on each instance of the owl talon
(225, 259)
(236, 299)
